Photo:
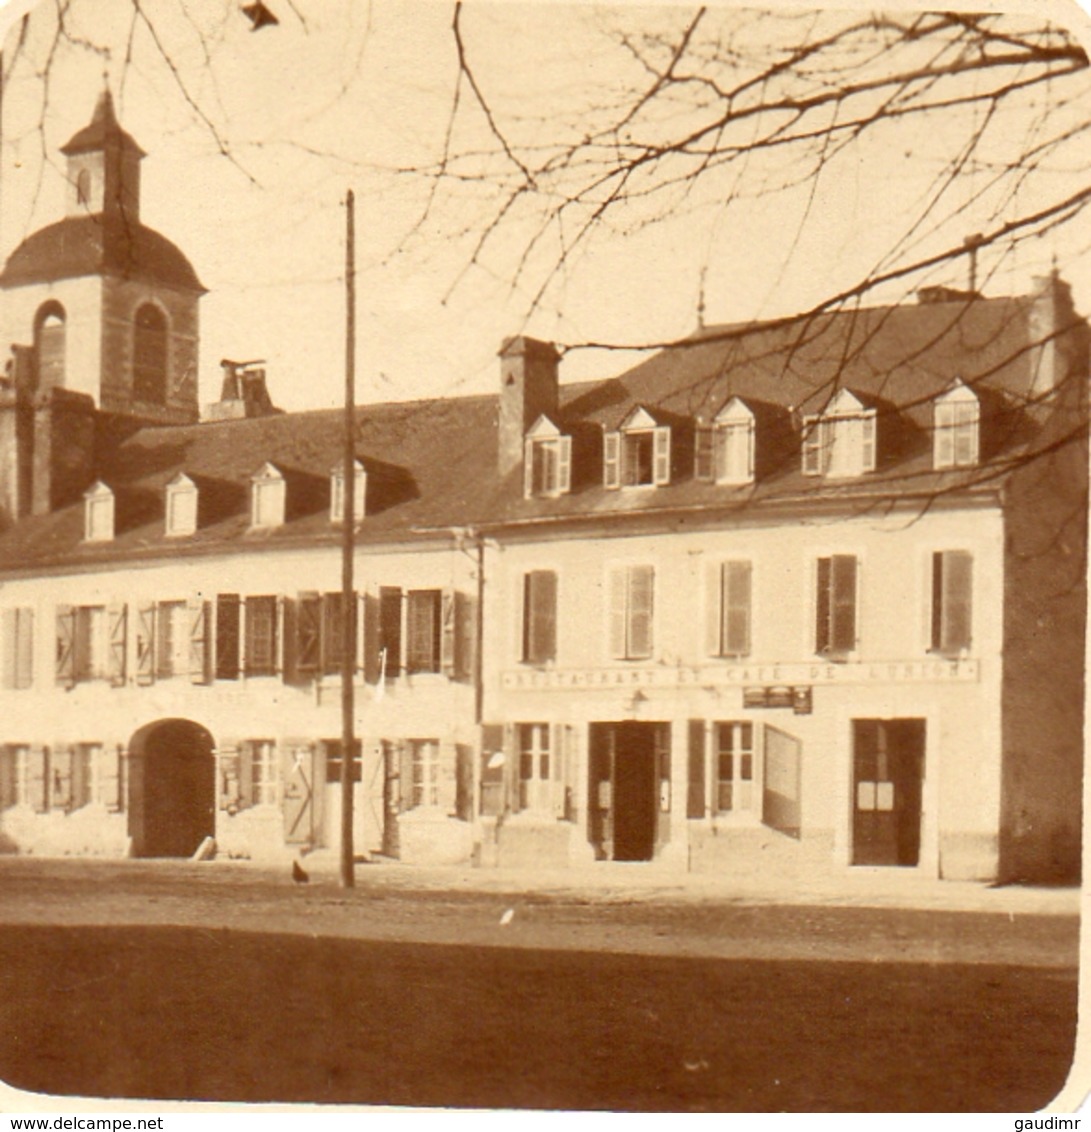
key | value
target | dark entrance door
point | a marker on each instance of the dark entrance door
(624, 789)
(172, 788)
(888, 770)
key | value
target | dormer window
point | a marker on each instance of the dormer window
(181, 508)
(267, 497)
(98, 513)
(725, 449)
(639, 453)
(547, 460)
(957, 417)
(841, 440)
(337, 492)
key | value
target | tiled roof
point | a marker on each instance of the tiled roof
(431, 465)
(99, 244)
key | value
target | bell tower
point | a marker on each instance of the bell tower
(103, 167)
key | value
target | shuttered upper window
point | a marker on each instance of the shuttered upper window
(835, 606)
(725, 449)
(957, 425)
(639, 453)
(729, 598)
(262, 654)
(547, 460)
(539, 616)
(952, 603)
(841, 440)
(17, 648)
(632, 598)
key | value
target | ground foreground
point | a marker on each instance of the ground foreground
(228, 984)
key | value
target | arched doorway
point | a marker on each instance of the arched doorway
(172, 788)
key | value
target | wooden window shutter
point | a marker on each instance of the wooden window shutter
(557, 770)
(405, 775)
(619, 592)
(736, 602)
(823, 607)
(867, 443)
(464, 772)
(24, 648)
(952, 601)
(81, 777)
(422, 631)
(145, 643)
(944, 450)
(390, 627)
(611, 460)
(641, 610)
(447, 777)
(465, 634)
(117, 630)
(246, 775)
(702, 453)
(9, 632)
(843, 636)
(38, 778)
(337, 630)
(227, 637)
(511, 768)
(492, 777)
(448, 634)
(528, 468)
(199, 667)
(695, 785)
(781, 801)
(372, 637)
(7, 777)
(662, 464)
(109, 777)
(714, 609)
(229, 773)
(571, 752)
(540, 616)
(66, 646)
(564, 464)
(308, 633)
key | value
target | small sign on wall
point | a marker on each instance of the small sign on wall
(799, 699)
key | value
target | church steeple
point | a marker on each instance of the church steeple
(103, 167)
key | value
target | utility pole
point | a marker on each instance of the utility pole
(348, 532)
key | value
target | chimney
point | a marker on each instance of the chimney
(243, 393)
(528, 388)
(1053, 354)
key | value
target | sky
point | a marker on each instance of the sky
(254, 138)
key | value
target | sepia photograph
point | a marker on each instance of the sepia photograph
(543, 555)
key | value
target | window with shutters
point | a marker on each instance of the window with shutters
(734, 783)
(632, 600)
(268, 495)
(535, 768)
(17, 645)
(547, 460)
(181, 506)
(957, 422)
(261, 755)
(335, 761)
(725, 449)
(98, 513)
(539, 616)
(390, 631)
(83, 649)
(423, 626)
(261, 654)
(952, 602)
(337, 492)
(14, 775)
(172, 630)
(319, 633)
(639, 453)
(729, 608)
(835, 593)
(841, 440)
(424, 754)
(227, 636)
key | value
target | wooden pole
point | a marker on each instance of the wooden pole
(348, 531)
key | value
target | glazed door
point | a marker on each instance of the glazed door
(888, 772)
